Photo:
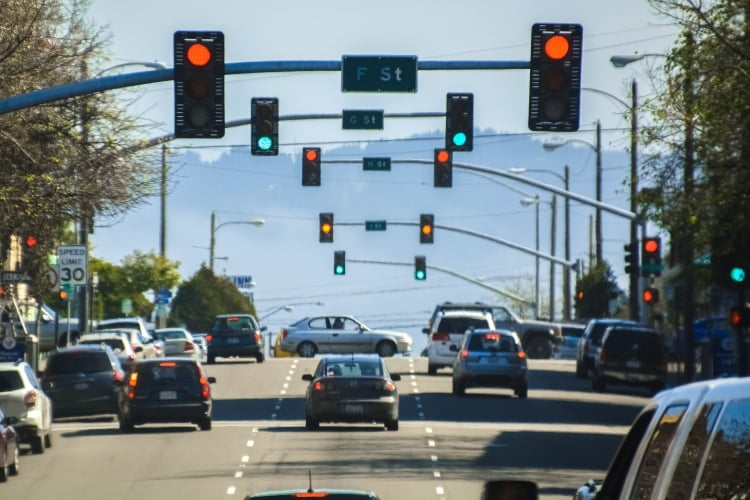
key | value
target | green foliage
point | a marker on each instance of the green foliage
(202, 297)
(595, 290)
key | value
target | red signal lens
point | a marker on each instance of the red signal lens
(198, 54)
(31, 241)
(556, 47)
(311, 155)
(443, 156)
(735, 317)
(651, 246)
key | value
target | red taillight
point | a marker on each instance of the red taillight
(390, 386)
(464, 353)
(209, 338)
(29, 399)
(440, 336)
(310, 494)
(522, 354)
(167, 363)
(205, 388)
(189, 346)
(257, 336)
(318, 386)
(117, 376)
(492, 336)
(132, 382)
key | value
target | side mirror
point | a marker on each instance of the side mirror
(308, 377)
(395, 377)
(138, 348)
(426, 331)
(264, 328)
(11, 420)
(505, 489)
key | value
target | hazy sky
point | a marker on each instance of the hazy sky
(326, 30)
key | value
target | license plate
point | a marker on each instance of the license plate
(233, 341)
(633, 364)
(354, 409)
(167, 395)
(82, 386)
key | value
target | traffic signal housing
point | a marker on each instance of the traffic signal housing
(650, 295)
(459, 122)
(311, 166)
(555, 77)
(264, 126)
(339, 262)
(651, 262)
(199, 84)
(426, 228)
(420, 267)
(326, 227)
(631, 258)
(739, 316)
(443, 168)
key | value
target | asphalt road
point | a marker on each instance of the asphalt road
(446, 447)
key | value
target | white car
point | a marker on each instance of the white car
(447, 333)
(179, 342)
(21, 396)
(119, 342)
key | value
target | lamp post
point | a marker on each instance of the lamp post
(536, 201)
(214, 228)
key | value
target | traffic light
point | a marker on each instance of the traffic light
(311, 166)
(326, 227)
(631, 258)
(30, 242)
(199, 84)
(443, 168)
(63, 294)
(426, 228)
(651, 295)
(420, 267)
(739, 317)
(651, 263)
(459, 122)
(555, 77)
(339, 262)
(264, 121)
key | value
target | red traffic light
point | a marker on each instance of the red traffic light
(198, 54)
(739, 316)
(556, 47)
(31, 241)
(650, 295)
(443, 168)
(311, 166)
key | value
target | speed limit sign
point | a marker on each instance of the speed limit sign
(73, 263)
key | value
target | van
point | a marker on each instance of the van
(447, 332)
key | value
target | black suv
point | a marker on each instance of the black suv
(591, 340)
(631, 355)
(235, 335)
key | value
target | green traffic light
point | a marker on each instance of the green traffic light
(737, 274)
(339, 269)
(420, 275)
(459, 139)
(265, 143)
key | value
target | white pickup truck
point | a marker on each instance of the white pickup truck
(47, 329)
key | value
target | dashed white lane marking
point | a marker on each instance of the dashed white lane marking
(231, 490)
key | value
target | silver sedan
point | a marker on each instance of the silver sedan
(341, 335)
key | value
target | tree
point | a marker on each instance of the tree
(202, 297)
(596, 289)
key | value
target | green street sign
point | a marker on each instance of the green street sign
(378, 164)
(379, 73)
(363, 119)
(375, 225)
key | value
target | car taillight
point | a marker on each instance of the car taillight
(284, 333)
(439, 336)
(522, 354)
(257, 336)
(29, 399)
(189, 346)
(132, 382)
(117, 376)
(390, 386)
(205, 388)
(209, 338)
(464, 353)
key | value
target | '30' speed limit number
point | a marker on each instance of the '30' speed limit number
(73, 262)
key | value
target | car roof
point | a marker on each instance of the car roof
(233, 315)
(108, 334)
(465, 312)
(311, 493)
(81, 347)
(167, 359)
(350, 357)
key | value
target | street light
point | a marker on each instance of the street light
(620, 61)
(536, 201)
(567, 288)
(214, 228)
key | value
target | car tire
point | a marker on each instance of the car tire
(48, 440)
(211, 359)
(458, 389)
(538, 348)
(126, 426)
(3, 473)
(522, 392)
(37, 445)
(307, 350)
(260, 358)
(311, 424)
(580, 370)
(392, 425)
(205, 424)
(15, 467)
(431, 369)
(598, 384)
(385, 349)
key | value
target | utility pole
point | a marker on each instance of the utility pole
(553, 244)
(635, 273)
(598, 150)
(567, 290)
(163, 228)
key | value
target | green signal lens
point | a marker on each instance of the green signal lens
(419, 275)
(737, 274)
(265, 143)
(339, 269)
(459, 139)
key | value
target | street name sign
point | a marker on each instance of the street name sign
(73, 263)
(14, 277)
(375, 225)
(362, 119)
(373, 163)
(379, 73)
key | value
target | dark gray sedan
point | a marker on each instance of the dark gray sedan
(341, 335)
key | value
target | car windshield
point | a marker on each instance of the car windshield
(10, 381)
(619, 340)
(78, 362)
(234, 324)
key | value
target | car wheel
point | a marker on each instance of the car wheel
(307, 350)
(37, 445)
(522, 392)
(458, 389)
(211, 359)
(15, 467)
(431, 369)
(3, 473)
(260, 358)
(538, 348)
(598, 384)
(392, 425)
(311, 424)
(48, 440)
(385, 349)
(580, 370)
(126, 425)
(205, 424)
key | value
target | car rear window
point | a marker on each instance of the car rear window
(78, 362)
(116, 344)
(233, 324)
(10, 381)
(460, 325)
(626, 340)
(167, 372)
(491, 342)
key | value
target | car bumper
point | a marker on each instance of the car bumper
(83, 407)
(178, 412)
(355, 410)
(235, 350)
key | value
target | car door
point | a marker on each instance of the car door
(350, 338)
(320, 334)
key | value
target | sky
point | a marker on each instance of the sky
(287, 263)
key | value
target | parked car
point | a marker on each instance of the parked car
(341, 335)
(351, 388)
(631, 355)
(235, 335)
(172, 389)
(22, 397)
(10, 464)
(588, 344)
(118, 341)
(491, 358)
(82, 380)
(178, 342)
(448, 331)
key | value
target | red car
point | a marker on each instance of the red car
(9, 463)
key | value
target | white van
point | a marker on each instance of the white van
(447, 332)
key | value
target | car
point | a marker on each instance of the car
(326, 493)
(447, 332)
(235, 335)
(351, 388)
(631, 355)
(171, 389)
(10, 464)
(590, 340)
(142, 347)
(491, 358)
(341, 335)
(82, 380)
(22, 397)
(200, 341)
(53, 327)
(179, 342)
(130, 323)
(119, 342)
(571, 333)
